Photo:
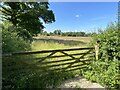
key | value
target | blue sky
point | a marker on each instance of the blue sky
(82, 16)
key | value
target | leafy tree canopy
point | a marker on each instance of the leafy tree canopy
(27, 15)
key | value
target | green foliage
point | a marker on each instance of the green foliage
(106, 69)
(75, 34)
(57, 32)
(60, 33)
(93, 34)
(27, 15)
(12, 43)
(109, 43)
(105, 73)
(19, 74)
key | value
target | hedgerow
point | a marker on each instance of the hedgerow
(106, 70)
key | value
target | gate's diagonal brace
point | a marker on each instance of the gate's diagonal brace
(46, 57)
(71, 57)
(85, 54)
(75, 58)
(68, 55)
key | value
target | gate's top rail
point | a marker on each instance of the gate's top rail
(46, 51)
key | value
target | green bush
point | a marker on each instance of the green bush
(109, 43)
(106, 69)
(18, 74)
(12, 43)
(13, 68)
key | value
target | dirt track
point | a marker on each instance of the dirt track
(80, 82)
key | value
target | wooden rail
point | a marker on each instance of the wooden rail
(46, 51)
(66, 60)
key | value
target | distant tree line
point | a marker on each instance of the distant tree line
(72, 34)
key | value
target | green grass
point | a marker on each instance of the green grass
(23, 73)
(54, 44)
(41, 45)
(47, 43)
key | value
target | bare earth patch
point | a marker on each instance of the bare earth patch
(80, 82)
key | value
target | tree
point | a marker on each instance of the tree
(27, 15)
(57, 32)
(45, 33)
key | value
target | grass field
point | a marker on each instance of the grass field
(59, 42)
(24, 74)
(84, 39)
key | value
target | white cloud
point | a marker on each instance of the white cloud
(76, 16)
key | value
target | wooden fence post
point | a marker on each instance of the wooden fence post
(97, 50)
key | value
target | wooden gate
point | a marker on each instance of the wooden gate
(57, 60)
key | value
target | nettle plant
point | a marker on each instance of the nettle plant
(106, 69)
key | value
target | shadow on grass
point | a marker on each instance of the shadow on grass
(19, 74)
(65, 42)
